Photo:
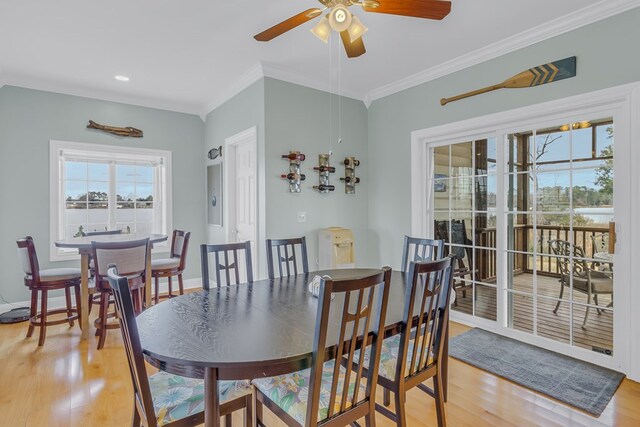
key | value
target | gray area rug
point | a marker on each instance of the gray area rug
(580, 384)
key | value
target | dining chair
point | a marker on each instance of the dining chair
(460, 248)
(94, 296)
(417, 249)
(227, 259)
(40, 282)
(172, 266)
(575, 269)
(286, 256)
(415, 354)
(163, 399)
(328, 393)
(131, 260)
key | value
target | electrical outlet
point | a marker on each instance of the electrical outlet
(302, 217)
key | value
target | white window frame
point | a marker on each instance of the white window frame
(56, 195)
(623, 104)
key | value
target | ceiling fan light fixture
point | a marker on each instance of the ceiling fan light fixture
(371, 4)
(322, 30)
(340, 18)
(356, 29)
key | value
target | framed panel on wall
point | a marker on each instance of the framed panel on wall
(214, 194)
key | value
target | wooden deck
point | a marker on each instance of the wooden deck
(597, 336)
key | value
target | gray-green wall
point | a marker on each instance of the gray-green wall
(292, 117)
(30, 118)
(243, 111)
(606, 58)
(297, 118)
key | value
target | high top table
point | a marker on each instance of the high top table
(249, 331)
(83, 245)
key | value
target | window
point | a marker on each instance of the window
(97, 187)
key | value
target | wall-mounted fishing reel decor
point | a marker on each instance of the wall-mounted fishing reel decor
(294, 176)
(324, 169)
(350, 179)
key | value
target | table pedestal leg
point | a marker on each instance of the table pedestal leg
(211, 404)
(84, 295)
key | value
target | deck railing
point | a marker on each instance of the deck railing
(524, 238)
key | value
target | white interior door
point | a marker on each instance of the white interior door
(241, 173)
(245, 189)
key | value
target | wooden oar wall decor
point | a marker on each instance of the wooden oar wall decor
(536, 76)
(126, 131)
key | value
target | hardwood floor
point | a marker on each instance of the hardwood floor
(68, 383)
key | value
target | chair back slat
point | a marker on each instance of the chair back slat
(362, 300)
(418, 249)
(226, 258)
(429, 285)
(288, 261)
(133, 348)
(29, 258)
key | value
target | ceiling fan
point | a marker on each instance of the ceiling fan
(340, 19)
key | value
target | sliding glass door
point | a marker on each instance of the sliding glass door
(560, 230)
(464, 209)
(529, 216)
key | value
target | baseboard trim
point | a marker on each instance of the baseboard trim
(59, 302)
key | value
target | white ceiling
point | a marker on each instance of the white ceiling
(187, 56)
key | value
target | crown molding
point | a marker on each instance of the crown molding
(246, 80)
(103, 95)
(563, 24)
(279, 73)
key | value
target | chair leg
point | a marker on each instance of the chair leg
(401, 420)
(33, 311)
(43, 319)
(258, 409)
(555, 310)
(67, 297)
(439, 398)
(370, 418)
(180, 284)
(586, 312)
(135, 421)
(157, 298)
(170, 286)
(76, 291)
(227, 420)
(595, 301)
(248, 413)
(104, 310)
(386, 397)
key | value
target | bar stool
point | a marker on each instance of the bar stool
(131, 260)
(41, 282)
(173, 266)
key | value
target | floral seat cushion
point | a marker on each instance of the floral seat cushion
(176, 397)
(291, 392)
(389, 356)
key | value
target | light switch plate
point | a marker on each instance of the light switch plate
(302, 217)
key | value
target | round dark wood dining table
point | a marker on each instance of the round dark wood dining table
(246, 331)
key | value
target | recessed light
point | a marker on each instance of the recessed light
(121, 78)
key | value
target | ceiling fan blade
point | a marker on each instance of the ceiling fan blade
(287, 25)
(354, 49)
(428, 9)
